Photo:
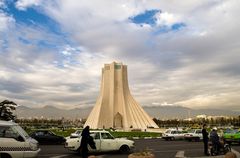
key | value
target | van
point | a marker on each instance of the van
(15, 142)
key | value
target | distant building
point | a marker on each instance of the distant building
(201, 116)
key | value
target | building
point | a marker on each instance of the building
(115, 106)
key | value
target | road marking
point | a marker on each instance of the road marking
(180, 154)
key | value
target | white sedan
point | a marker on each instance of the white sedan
(194, 134)
(104, 142)
(172, 134)
(76, 134)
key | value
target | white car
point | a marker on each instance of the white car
(15, 142)
(194, 134)
(173, 134)
(104, 142)
(76, 134)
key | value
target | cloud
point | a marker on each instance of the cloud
(5, 21)
(23, 4)
(167, 19)
(2, 3)
(189, 57)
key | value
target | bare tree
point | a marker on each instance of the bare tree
(6, 110)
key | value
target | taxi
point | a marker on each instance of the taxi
(15, 142)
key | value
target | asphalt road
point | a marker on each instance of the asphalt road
(161, 149)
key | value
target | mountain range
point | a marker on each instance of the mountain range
(162, 112)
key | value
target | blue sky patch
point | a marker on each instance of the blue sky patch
(166, 29)
(32, 16)
(148, 17)
(178, 26)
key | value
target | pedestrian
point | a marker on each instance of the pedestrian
(84, 142)
(205, 139)
(215, 140)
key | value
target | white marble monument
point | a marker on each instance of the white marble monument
(115, 106)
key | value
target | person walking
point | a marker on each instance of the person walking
(205, 139)
(84, 142)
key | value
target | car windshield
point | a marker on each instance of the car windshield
(191, 131)
(78, 132)
(51, 133)
(18, 128)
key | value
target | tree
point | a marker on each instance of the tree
(6, 110)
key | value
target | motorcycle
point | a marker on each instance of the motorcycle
(223, 148)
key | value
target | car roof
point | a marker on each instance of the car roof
(173, 130)
(7, 123)
(42, 130)
(98, 131)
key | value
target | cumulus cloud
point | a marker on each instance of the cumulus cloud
(195, 67)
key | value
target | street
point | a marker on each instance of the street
(161, 149)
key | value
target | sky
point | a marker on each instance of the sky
(184, 53)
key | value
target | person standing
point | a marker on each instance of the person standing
(84, 142)
(205, 139)
(215, 140)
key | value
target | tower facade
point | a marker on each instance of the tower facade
(115, 106)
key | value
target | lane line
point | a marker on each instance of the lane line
(180, 154)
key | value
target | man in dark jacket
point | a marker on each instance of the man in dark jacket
(205, 139)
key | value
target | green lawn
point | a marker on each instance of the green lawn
(135, 134)
(116, 134)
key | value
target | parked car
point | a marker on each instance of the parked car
(194, 134)
(15, 142)
(76, 134)
(104, 142)
(47, 137)
(232, 136)
(173, 134)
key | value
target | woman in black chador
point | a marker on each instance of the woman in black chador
(84, 142)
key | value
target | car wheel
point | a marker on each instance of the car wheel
(124, 149)
(197, 139)
(172, 138)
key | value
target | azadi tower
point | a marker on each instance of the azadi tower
(115, 106)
